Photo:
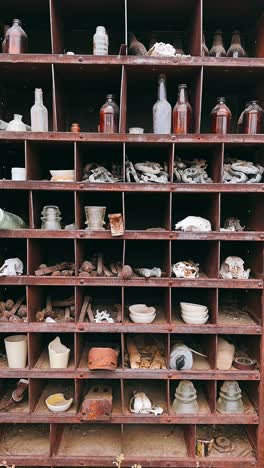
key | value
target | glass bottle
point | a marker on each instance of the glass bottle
(109, 114)
(11, 221)
(205, 51)
(182, 112)
(221, 117)
(51, 218)
(100, 41)
(39, 113)
(75, 127)
(16, 125)
(236, 49)
(218, 49)
(253, 119)
(16, 39)
(162, 109)
(240, 122)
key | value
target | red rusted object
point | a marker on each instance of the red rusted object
(116, 224)
(102, 358)
(97, 403)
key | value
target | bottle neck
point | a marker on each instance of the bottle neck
(182, 95)
(218, 40)
(236, 38)
(38, 96)
(162, 93)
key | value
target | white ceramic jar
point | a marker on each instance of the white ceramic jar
(100, 41)
(16, 351)
(18, 173)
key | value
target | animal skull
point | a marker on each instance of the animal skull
(141, 403)
(232, 224)
(186, 269)
(12, 267)
(233, 268)
(193, 223)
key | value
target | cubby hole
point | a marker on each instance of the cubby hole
(205, 297)
(188, 154)
(248, 208)
(225, 16)
(16, 203)
(98, 440)
(44, 157)
(49, 252)
(239, 307)
(101, 387)
(249, 395)
(35, 22)
(39, 352)
(141, 153)
(242, 437)
(155, 441)
(152, 349)
(159, 298)
(73, 83)
(15, 355)
(64, 200)
(147, 211)
(156, 391)
(250, 252)
(75, 24)
(24, 440)
(14, 307)
(147, 254)
(7, 387)
(246, 346)
(141, 99)
(86, 341)
(205, 393)
(250, 152)
(93, 155)
(203, 344)
(177, 24)
(112, 254)
(12, 154)
(101, 299)
(111, 201)
(18, 95)
(238, 87)
(201, 205)
(56, 302)
(41, 389)
(14, 248)
(204, 253)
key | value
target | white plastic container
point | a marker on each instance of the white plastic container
(16, 351)
(18, 173)
(100, 41)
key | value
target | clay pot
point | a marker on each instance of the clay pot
(16, 351)
(95, 217)
(58, 354)
(230, 400)
(102, 358)
(185, 399)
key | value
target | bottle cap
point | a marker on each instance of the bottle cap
(221, 99)
(100, 29)
(110, 96)
(183, 85)
(162, 77)
(18, 21)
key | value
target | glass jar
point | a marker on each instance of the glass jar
(221, 117)
(100, 41)
(253, 119)
(16, 41)
(51, 218)
(109, 114)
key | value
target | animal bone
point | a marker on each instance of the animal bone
(12, 267)
(233, 268)
(147, 272)
(103, 316)
(148, 167)
(232, 224)
(186, 269)
(140, 403)
(194, 223)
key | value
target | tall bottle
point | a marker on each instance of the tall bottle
(253, 119)
(16, 41)
(162, 109)
(236, 49)
(109, 114)
(218, 49)
(39, 113)
(182, 112)
(221, 117)
(240, 122)
(100, 41)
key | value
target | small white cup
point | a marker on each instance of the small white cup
(16, 351)
(137, 130)
(18, 173)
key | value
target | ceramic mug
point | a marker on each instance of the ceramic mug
(16, 351)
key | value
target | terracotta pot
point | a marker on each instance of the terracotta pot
(16, 351)
(102, 358)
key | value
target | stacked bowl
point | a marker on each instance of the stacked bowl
(141, 313)
(194, 314)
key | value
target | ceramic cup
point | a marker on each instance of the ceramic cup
(58, 354)
(16, 351)
(18, 173)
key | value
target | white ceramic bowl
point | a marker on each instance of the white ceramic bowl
(142, 318)
(57, 402)
(63, 174)
(141, 309)
(195, 320)
(195, 314)
(189, 307)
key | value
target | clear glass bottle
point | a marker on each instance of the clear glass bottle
(16, 40)
(11, 221)
(51, 218)
(218, 49)
(182, 112)
(109, 114)
(39, 113)
(16, 125)
(236, 49)
(254, 119)
(221, 117)
(162, 109)
(100, 41)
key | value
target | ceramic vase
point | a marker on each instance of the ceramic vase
(16, 351)
(95, 217)
(230, 399)
(58, 354)
(185, 399)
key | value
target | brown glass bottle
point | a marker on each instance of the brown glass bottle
(221, 117)
(109, 113)
(182, 112)
(240, 122)
(236, 49)
(218, 49)
(75, 127)
(253, 119)
(16, 40)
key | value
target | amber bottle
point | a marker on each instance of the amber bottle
(218, 49)
(240, 122)
(182, 112)
(221, 117)
(236, 49)
(253, 119)
(109, 113)
(205, 51)
(16, 41)
(75, 127)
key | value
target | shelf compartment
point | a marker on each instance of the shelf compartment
(251, 253)
(103, 154)
(249, 152)
(41, 389)
(3, 356)
(18, 205)
(42, 156)
(201, 205)
(206, 297)
(64, 201)
(156, 390)
(24, 440)
(239, 307)
(153, 351)
(202, 344)
(145, 211)
(138, 254)
(245, 346)
(205, 253)
(38, 350)
(112, 201)
(49, 252)
(86, 341)
(83, 386)
(152, 297)
(141, 152)
(112, 252)
(248, 208)
(249, 397)
(15, 293)
(12, 154)
(101, 299)
(12, 248)
(205, 398)
(7, 387)
(38, 296)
